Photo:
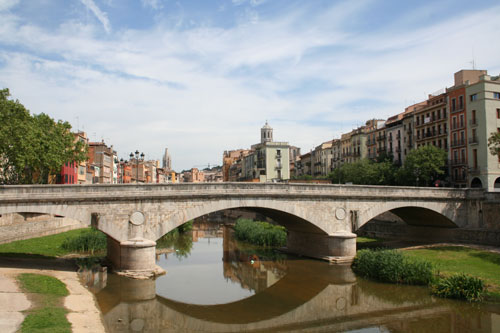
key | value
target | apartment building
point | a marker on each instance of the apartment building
(101, 158)
(483, 100)
(393, 131)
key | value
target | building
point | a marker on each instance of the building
(459, 125)
(230, 157)
(482, 99)
(321, 158)
(194, 176)
(167, 161)
(270, 160)
(102, 157)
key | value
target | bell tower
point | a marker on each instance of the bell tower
(266, 133)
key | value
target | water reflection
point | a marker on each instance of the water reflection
(284, 294)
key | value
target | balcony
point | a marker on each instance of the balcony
(381, 137)
(398, 149)
(390, 139)
(398, 136)
(381, 150)
(456, 126)
(473, 122)
(457, 143)
(459, 108)
(458, 162)
(473, 140)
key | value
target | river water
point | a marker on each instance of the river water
(216, 284)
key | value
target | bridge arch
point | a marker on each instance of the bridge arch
(290, 216)
(431, 214)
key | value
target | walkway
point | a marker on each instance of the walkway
(83, 313)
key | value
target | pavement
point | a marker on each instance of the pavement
(83, 312)
(12, 303)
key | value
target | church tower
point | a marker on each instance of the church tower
(266, 133)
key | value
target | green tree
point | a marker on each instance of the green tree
(365, 172)
(494, 144)
(423, 166)
(33, 147)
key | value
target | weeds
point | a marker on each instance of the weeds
(460, 286)
(260, 233)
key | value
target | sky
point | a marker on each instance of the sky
(200, 77)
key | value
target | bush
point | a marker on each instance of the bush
(460, 286)
(88, 241)
(392, 266)
(260, 233)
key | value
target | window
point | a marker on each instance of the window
(498, 113)
(461, 102)
(444, 113)
(474, 116)
(473, 97)
(496, 95)
(453, 104)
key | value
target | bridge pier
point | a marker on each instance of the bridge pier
(134, 258)
(339, 247)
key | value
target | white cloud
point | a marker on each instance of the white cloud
(8, 4)
(206, 89)
(99, 14)
(155, 4)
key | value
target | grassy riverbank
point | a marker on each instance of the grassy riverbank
(47, 313)
(83, 240)
(449, 260)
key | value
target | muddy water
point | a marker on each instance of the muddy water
(215, 284)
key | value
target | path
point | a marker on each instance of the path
(83, 313)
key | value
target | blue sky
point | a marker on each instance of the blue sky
(201, 77)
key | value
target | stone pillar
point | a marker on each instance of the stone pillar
(339, 247)
(134, 258)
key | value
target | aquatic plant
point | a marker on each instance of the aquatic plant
(260, 233)
(88, 241)
(460, 286)
(392, 266)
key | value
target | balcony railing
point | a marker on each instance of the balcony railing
(455, 126)
(381, 137)
(457, 162)
(473, 122)
(398, 149)
(473, 140)
(457, 143)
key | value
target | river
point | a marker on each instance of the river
(216, 284)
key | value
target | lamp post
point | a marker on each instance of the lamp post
(417, 174)
(137, 155)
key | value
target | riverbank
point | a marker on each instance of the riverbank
(83, 312)
(482, 261)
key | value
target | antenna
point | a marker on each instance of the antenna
(473, 62)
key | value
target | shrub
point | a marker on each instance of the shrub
(89, 241)
(460, 286)
(392, 266)
(260, 233)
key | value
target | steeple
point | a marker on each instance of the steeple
(266, 133)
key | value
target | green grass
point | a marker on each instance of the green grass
(367, 240)
(46, 315)
(42, 247)
(457, 259)
(47, 320)
(42, 284)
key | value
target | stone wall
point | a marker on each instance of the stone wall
(402, 231)
(29, 225)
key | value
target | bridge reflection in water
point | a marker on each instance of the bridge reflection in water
(290, 294)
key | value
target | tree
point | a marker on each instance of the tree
(365, 172)
(33, 147)
(423, 166)
(494, 144)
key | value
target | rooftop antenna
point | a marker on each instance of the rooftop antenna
(473, 62)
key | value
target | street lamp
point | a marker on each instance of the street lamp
(137, 163)
(417, 173)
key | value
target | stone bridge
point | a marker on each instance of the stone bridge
(321, 219)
